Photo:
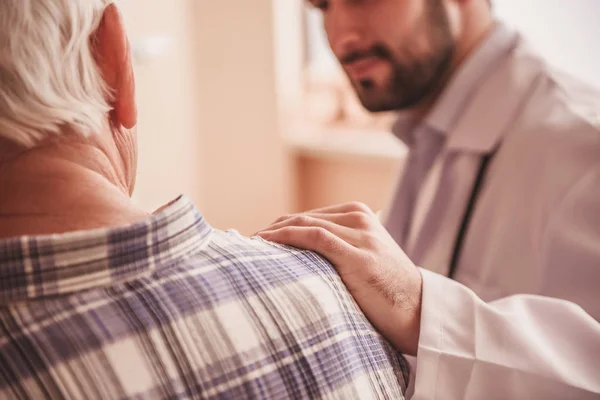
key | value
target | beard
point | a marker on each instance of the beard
(420, 74)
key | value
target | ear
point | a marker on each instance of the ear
(113, 56)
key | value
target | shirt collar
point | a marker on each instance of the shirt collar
(461, 88)
(40, 266)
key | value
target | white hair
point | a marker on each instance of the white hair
(49, 79)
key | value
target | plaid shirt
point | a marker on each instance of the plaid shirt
(171, 308)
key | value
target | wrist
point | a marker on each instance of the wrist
(412, 328)
(403, 324)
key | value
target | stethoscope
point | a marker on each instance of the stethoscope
(464, 226)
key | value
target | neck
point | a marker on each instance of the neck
(61, 188)
(477, 25)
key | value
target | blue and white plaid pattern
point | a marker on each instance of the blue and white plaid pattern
(171, 308)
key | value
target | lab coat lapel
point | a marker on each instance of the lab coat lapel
(479, 132)
(436, 239)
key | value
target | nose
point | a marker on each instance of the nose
(343, 26)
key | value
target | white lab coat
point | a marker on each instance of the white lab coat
(520, 321)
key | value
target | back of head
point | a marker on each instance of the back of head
(49, 81)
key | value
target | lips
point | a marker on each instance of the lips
(360, 67)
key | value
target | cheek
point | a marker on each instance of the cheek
(398, 22)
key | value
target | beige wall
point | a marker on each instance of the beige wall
(246, 177)
(208, 120)
(208, 123)
(169, 138)
(323, 181)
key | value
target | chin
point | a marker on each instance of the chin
(384, 101)
(376, 105)
(373, 97)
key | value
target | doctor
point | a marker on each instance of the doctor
(499, 203)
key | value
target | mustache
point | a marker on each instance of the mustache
(377, 51)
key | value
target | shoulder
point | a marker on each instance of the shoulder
(557, 131)
(560, 105)
(553, 143)
(580, 203)
(234, 246)
(269, 264)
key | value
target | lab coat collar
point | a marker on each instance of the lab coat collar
(497, 102)
(404, 129)
(469, 77)
(488, 80)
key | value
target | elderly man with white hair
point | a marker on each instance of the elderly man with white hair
(99, 299)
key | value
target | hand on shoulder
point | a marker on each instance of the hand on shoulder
(382, 279)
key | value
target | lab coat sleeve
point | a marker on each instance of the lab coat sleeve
(523, 346)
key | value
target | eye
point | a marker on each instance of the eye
(320, 4)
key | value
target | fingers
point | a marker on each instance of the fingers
(353, 220)
(328, 223)
(352, 215)
(343, 208)
(312, 238)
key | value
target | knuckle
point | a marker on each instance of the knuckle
(300, 220)
(330, 245)
(284, 218)
(325, 241)
(360, 219)
(286, 232)
(319, 235)
(360, 207)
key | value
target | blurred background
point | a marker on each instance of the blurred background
(243, 108)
